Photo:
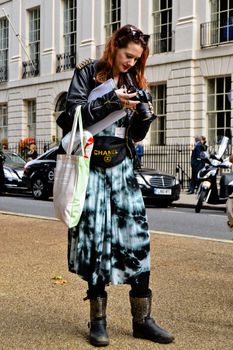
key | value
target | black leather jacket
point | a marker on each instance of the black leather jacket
(83, 82)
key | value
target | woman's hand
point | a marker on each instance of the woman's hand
(125, 98)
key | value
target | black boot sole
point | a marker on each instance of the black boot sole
(97, 343)
(155, 339)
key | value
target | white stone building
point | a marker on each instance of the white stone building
(190, 68)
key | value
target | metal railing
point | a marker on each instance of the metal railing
(174, 159)
(41, 147)
(162, 42)
(65, 62)
(30, 69)
(217, 32)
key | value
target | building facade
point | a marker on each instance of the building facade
(190, 67)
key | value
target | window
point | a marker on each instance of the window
(222, 17)
(220, 29)
(162, 23)
(31, 114)
(3, 49)
(158, 127)
(32, 68)
(221, 9)
(112, 16)
(219, 108)
(3, 122)
(34, 34)
(70, 25)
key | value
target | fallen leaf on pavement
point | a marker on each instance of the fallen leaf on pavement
(59, 280)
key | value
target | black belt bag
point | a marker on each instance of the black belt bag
(108, 151)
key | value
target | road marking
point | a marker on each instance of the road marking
(28, 215)
(191, 236)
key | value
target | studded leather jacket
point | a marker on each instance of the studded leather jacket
(83, 82)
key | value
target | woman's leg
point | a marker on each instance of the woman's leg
(140, 285)
(143, 325)
(97, 290)
(98, 324)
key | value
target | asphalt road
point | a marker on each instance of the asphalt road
(209, 223)
(25, 204)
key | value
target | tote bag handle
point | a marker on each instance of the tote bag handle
(77, 120)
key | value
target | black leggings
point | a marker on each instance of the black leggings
(139, 287)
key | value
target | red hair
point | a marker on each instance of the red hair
(120, 39)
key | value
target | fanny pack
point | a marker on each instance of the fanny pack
(108, 151)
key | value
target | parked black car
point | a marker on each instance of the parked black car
(158, 187)
(13, 168)
(39, 176)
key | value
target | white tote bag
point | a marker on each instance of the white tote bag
(71, 175)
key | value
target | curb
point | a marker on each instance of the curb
(190, 205)
(32, 216)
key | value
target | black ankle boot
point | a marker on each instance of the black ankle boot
(143, 325)
(98, 324)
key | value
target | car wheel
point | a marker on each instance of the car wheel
(39, 190)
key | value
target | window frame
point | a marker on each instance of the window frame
(3, 121)
(159, 101)
(31, 117)
(34, 35)
(70, 27)
(112, 17)
(218, 106)
(4, 47)
(162, 39)
(222, 20)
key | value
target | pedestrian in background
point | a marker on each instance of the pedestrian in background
(139, 153)
(197, 163)
(32, 153)
(111, 243)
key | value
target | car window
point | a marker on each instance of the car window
(13, 158)
(50, 154)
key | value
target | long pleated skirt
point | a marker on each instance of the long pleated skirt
(111, 242)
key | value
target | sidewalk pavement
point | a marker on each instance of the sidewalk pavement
(191, 281)
(190, 200)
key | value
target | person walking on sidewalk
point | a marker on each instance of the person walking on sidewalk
(139, 148)
(196, 162)
(111, 242)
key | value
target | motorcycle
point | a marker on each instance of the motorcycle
(208, 190)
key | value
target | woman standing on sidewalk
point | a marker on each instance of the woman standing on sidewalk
(111, 242)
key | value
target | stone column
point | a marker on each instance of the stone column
(86, 30)
(47, 64)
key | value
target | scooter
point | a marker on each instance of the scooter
(208, 190)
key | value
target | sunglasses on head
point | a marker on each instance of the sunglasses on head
(137, 34)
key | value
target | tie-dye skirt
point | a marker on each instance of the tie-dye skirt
(111, 242)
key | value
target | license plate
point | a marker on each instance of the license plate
(164, 191)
